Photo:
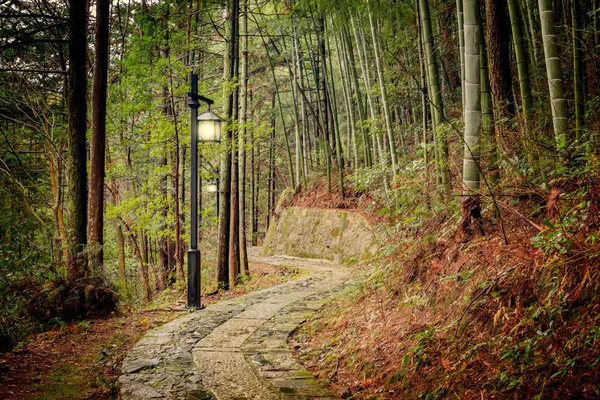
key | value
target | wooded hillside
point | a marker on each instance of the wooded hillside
(459, 119)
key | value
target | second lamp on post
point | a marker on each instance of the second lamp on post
(213, 187)
(204, 128)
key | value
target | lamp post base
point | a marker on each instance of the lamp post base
(193, 292)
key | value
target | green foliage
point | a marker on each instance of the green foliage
(419, 354)
(560, 237)
(25, 252)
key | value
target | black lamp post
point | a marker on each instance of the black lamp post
(206, 128)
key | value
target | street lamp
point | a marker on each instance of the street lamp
(209, 127)
(213, 187)
(206, 128)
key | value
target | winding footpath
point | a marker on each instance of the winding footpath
(235, 349)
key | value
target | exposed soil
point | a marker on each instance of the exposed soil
(317, 195)
(82, 360)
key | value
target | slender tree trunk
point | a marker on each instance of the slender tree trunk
(166, 273)
(233, 115)
(578, 70)
(461, 41)
(121, 254)
(423, 93)
(339, 154)
(554, 73)
(345, 79)
(532, 31)
(366, 74)
(470, 201)
(281, 112)
(176, 248)
(242, 143)
(271, 176)
(77, 111)
(522, 59)
(383, 90)
(487, 115)
(98, 140)
(359, 102)
(254, 183)
(294, 72)
(435, 95)
(225, 208)
(143, 267)
(62, 252)
(498, 56)
(303, 107)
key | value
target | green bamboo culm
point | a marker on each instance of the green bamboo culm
(521, 57)
(435, 94)
(383, 91)
(487, 115)
(578, 84)
(553, 70)
(461, 42)
(472, 98)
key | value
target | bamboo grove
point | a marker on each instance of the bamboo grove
(442, 99)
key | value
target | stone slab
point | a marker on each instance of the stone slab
(236, 349)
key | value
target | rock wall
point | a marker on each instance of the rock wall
(336, 235)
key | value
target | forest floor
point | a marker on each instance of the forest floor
(82, 360)
(510, 313)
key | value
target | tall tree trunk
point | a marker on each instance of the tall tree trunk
(62, 251)
(366, 74)
(295, 71)
(497, 43)
(339, 154)
(487, 114)
(345, 79)
(143, 267)
(470, 201)
(242, 143)
(77, 111)
(522, 59)
(255, 182)
(578, 69)
(303, 106)
(98, 140)
(383, 91)
(121, 254)
(232, 116)
(358, 96)
(271, 178)
(461, 42)
(277, 93)
(532, 32)
(554, 73)
(435, 95)
(423, 79)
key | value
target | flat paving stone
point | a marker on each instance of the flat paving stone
(236, 349)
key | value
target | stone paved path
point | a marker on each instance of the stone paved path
(235, 349)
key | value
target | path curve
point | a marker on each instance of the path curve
(235, 349)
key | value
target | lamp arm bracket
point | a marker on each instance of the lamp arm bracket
(197, 97)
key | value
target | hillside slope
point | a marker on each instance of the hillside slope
(509, 314)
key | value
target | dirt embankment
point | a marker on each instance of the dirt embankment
(509, 314)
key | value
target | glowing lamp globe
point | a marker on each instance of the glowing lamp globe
(209, 127)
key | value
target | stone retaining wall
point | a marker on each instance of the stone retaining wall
(337, 235)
